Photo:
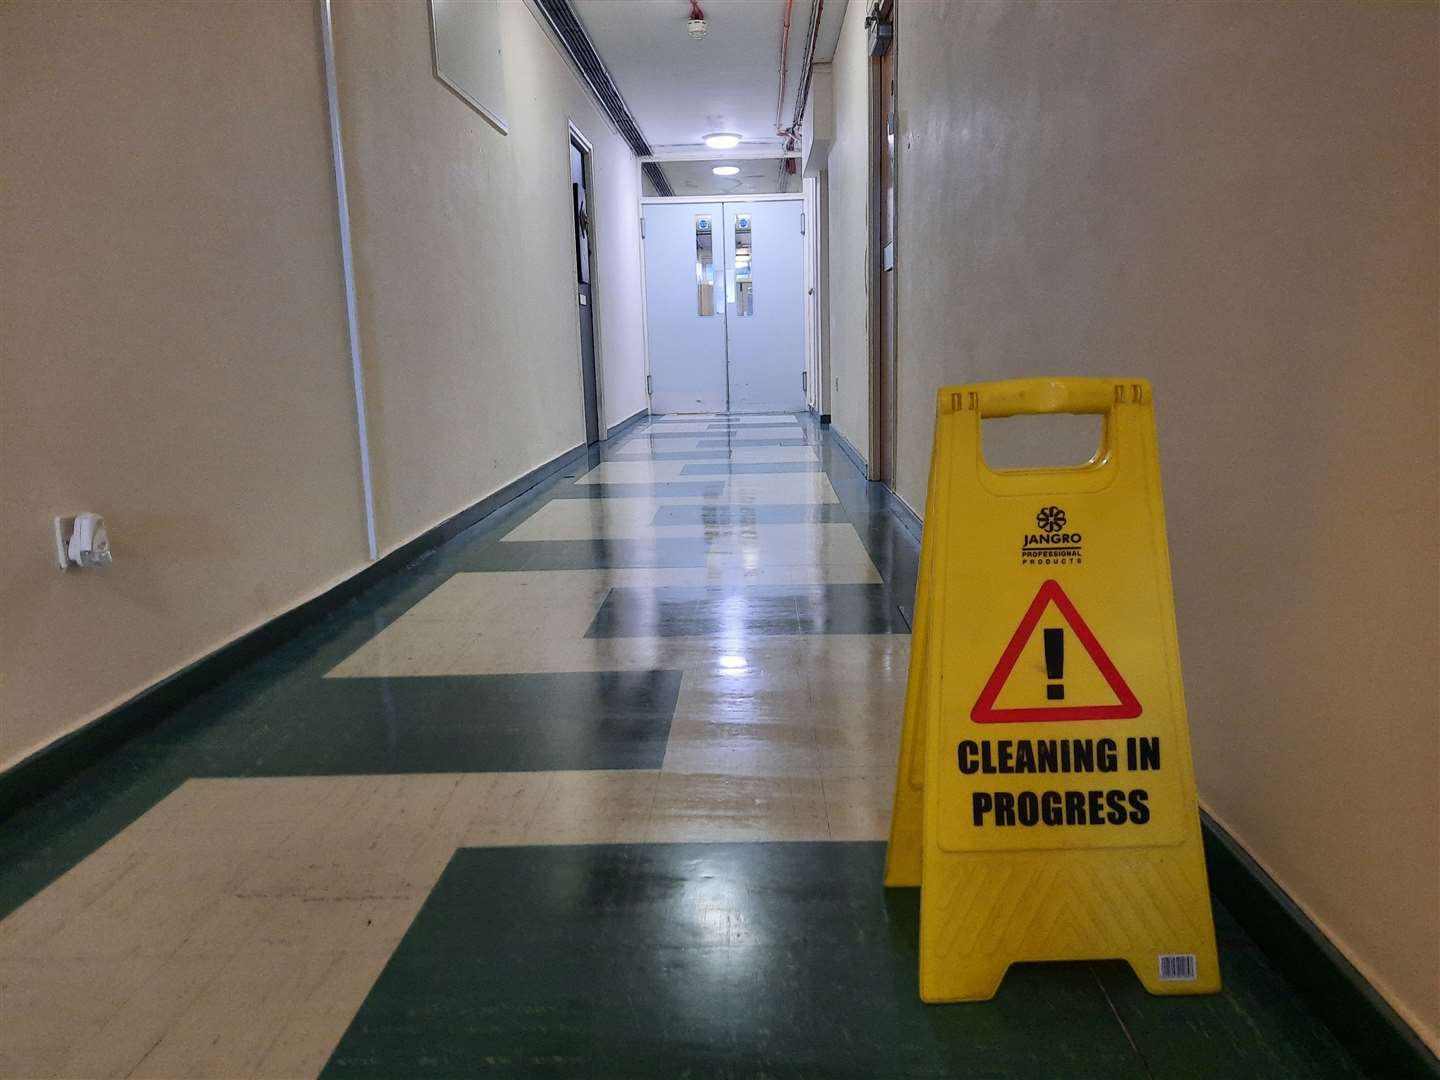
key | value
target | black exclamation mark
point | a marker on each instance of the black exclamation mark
(1055, 664)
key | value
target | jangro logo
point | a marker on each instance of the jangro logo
(1051, 519)
(1050, 544)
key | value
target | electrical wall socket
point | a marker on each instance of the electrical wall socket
(82, 540)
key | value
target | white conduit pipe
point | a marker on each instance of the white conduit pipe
(347, 260)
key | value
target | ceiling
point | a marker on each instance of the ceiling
(757, 176)
(679, 89)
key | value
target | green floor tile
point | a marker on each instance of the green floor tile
(1256, 1026)
(722, 960)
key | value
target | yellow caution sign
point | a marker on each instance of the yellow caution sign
(1045, 796)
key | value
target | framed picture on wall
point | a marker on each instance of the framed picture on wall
(468, 58)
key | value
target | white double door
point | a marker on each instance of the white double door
(725, 306)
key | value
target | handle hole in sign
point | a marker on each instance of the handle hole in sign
(1048, 441)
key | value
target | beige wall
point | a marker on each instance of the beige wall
(1239, 202)
(465, 262)
(618, 281)
(170, 290)
(172, 343)
(847, 192)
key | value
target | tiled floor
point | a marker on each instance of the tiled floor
(600, 788)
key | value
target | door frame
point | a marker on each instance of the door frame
(883, 375)
(574, 136)
(815, 310)
(704, 154)
(646, 200)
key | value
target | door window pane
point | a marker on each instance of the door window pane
(744, 283)
(704, 264)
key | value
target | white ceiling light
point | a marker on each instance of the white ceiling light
(725, 170)
(722, 140)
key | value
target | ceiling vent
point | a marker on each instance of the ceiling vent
(582, 54)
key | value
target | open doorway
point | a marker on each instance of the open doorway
(585, 301)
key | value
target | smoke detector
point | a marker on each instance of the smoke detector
(697, 28)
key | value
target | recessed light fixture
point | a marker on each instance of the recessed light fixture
(722, 140)
(725, 170)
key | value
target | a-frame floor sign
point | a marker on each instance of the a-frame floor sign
(1045, 797)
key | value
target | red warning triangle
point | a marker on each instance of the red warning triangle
(985, 711)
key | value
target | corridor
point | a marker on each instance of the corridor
(599, 788)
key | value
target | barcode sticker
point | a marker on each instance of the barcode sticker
(1177, 967)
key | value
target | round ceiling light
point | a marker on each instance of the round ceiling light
(722, 140)
(725, 170)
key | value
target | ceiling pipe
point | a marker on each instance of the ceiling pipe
(807, 70)
(784, 65)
